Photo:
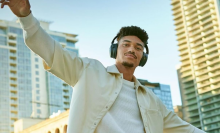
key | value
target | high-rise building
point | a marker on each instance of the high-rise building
(178, 110)
(198, 36)
(26, 89)
(162, 91)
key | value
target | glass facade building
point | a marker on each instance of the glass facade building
(26, 89)
(162, 91)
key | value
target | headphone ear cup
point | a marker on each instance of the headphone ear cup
(143, 59)
(113, 50)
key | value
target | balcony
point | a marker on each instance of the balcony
(14, 116)
(192, 16)
(193, 108)
(183, 52)
(65, 93)
(13, 76)
(184, 58)
(180, 26)
(66, 106)
(13, 82)
(188, 103)
(185, 86)
(180, 42)
(177, 11)
(194, 21)
(181, 31)
(207, 21)
(188, 91)
(195, 32)
(195, 50)
(194, 27)
(185, 68)
(13, 68)
(12, 43)
(186, 74)
(176, 6)
(12, 61)
(182, 36)
(13, 55)
(196, 38)
(14, 95)
(66, 100)
(188, 97)
(210, 107)
(197, 55)
(179, 15)
(13, 89)
(191, 5)
(205, 9)
(14, 103)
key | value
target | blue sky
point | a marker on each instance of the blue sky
(97, 22)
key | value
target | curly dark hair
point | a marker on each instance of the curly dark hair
(135, 31)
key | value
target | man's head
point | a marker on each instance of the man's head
(132, 41)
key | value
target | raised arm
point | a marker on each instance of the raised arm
(64, 64)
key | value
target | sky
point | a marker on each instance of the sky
(97, 22)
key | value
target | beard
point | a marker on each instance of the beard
(126, 64)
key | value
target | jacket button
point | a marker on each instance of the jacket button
(106, 107)
(116, 93)
(94, 123)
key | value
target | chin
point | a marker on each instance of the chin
(127, 64)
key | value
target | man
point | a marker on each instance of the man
(104, 100)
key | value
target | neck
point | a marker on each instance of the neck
(127, 72)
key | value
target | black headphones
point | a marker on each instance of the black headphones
(114, 47)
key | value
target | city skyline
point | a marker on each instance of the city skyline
(95, 23)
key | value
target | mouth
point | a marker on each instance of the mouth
(131, 56)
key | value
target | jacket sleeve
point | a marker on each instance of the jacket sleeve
(62, 63)
(174, 124)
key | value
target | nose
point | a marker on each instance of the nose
(132, 49)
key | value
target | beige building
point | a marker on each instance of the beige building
(197, 29)
(56, 124)
(178, 110)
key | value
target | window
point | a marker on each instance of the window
(38, 98)
(38, 105)
(36, 59)
(70, 44)
(37, 85)
(37, 79)
(2, 31)
(38, 91)
(38, 111)
(3, 40)
(37, 73)
(36, 66)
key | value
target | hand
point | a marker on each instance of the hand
(20, 8)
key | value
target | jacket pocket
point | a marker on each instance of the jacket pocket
(155, 121)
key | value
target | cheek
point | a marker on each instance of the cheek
(140, 55)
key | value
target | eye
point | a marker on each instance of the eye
(139, 48)
(125, 44)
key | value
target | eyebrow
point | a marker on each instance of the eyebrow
(136, 43)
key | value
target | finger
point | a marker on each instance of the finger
(1, 1)
(4, 3)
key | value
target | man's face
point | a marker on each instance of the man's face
(130, 51)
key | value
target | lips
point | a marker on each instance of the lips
(131, 55)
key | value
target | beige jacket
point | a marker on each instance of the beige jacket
(95, 87)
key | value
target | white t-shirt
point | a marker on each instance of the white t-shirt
(124, 115)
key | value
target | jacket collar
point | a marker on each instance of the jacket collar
(114, 70)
